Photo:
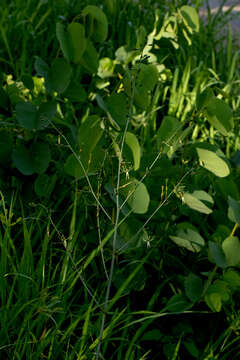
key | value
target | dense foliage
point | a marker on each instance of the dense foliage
(119, 178)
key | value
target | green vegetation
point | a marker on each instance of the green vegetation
(119, 181)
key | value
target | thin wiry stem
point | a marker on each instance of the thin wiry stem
(98, 351)
(64, 241)
(84, 171)
(161, 204)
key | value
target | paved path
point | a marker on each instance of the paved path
(214, 4)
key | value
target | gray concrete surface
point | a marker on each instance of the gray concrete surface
(214, 4)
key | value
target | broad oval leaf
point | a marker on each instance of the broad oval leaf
(190, 17)
(96, 23)
(212, 162)
(193, 286)
(132, 141)
(41, 156)
(231, 249)
(59, 76)
(214, 301)
(234, 210)
(232, 278)
(139, 198)
(6, 143)
(195, 201)
(23, 161)
(27, 115)
(220, 116)
(189, 239)
(89, 58)
(63, 39)
(168, 130)
(77, 41)
(216, 254)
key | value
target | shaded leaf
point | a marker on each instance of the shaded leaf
(26, 114)
(216, 254)
(96, 23)
(193, 286)
(59, 76)
(40, 153)
(234, 210)
(23, 161)
(77, 41)
(178, 303)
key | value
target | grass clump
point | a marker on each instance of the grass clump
(119, 182)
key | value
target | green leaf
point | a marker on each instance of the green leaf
(90, 58)
(91, 161)
(6, 143)
(195, 201)
(23, 161)
(89, 134)
(41, 67)
(77, 41)
(216, 254)
(139, 198)
(90, 155)
(27, 115)
(193, 286)
(152, 335)
(168, 130)
(96, 23)
(231, 249)
(234, 210)
(75, 92)
(40, 153)
(44, 185)
(232, 278)
(59, 76)
(132, 141)
(220, 116)
(106, 68)
(117, 106)
(63, 39)
(190, 17)
(178, 303)
(220, 287)
(147, 76)
(189, 239)
(214, 301)
(46, 114)
(211, 161)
